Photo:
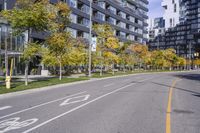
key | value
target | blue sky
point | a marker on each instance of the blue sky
(155, 9)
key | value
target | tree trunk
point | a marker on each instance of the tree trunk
(132, 68)
(26, 74)
(170, 68)
(60, 77)
(113, 71)
(101, 70)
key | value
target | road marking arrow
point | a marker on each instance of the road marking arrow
(75, 100)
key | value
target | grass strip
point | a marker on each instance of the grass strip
(20, 86)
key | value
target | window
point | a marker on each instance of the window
(111, 20)
(86, 22)
(174, 7)
(122, 25)
(170, 21)
(72, 3)
(122, 34)
(100, 16)
(112, 9)
(123, 15)
(101, 4)
(73, 18)
(85, 9)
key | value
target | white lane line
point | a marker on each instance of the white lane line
(108, 85)
(5, 107)
(27, 109)
(76, 108)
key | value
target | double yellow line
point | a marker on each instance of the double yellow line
(168, 117)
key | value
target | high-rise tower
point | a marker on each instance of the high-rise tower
(171, 12)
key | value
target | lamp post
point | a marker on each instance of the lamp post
(0, 47)
(90, 41)
(6, 42)
(90, 37)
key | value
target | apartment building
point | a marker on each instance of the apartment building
(171, 12)
(128, 17)
(184, 37)
(156, 27)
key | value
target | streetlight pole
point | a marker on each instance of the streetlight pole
(0, 47)
(6, 42)
(90, 41)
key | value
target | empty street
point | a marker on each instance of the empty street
(143, 103)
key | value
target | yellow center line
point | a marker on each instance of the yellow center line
(168, 116)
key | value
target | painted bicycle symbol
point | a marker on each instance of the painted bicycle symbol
(14, 123)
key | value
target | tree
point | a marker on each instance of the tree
(111, 59)
(158, 60)
(58, 17)
(48, 58)
(141, 52)
(170, 58)
(31, 51)
(107, 42)
(181, 62)
(59, 45)
(148, 59)
(123, 54)
(59, 42)
(197, 62)
(27, 16)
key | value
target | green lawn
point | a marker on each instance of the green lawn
(2, 79)
(19, 86)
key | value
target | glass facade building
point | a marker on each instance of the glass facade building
(15, 46)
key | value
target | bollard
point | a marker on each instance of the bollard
(8, 82)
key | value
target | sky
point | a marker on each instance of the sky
(155, 8)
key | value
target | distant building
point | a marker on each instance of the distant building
(171, 12)
(156, 28)
(185, 36)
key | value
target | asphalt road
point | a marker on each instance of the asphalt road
(145, 103)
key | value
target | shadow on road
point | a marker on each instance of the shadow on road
(195, 77)
(194, 93)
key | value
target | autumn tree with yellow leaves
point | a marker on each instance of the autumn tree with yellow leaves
(107, 45)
